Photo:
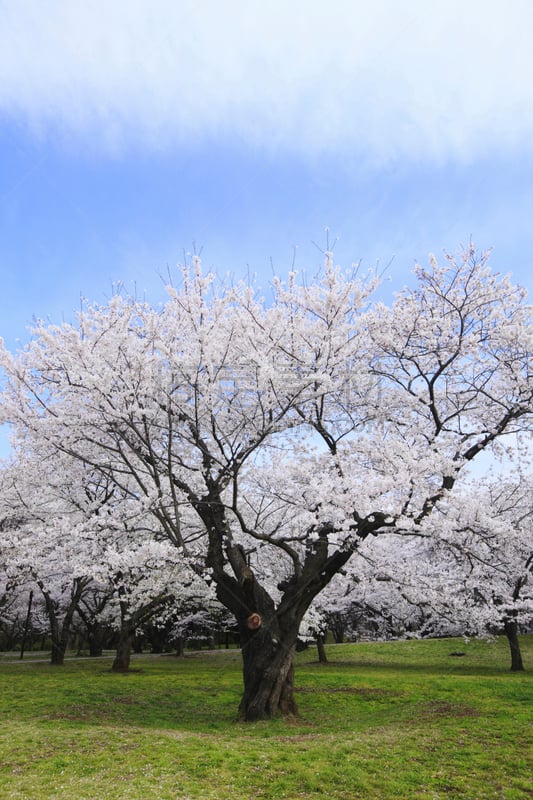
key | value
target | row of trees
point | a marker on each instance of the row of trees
(288, 456)
(472, 579)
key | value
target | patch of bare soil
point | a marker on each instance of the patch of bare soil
(440, 708)
(361, 691)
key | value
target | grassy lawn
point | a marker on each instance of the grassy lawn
(393, 720)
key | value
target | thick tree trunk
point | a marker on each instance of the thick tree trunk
(58, 633)
(511, 631)
(123, 651)
(95, 637)
(90, 610)
(268, 641)
(338, 635)
(268, 674)
(59, 648)
(268, 631)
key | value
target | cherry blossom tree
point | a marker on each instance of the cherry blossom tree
(90, 549)
(365, 601)
(301, 426)
(37, 558)
(478, 572)
(16, 602)
(467, 571)
(149, 583)
(92, 614)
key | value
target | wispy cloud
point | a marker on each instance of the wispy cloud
(387, 79)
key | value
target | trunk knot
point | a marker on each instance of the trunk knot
(254, 622)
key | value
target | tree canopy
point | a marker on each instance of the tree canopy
(268, 440)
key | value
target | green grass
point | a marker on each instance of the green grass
(392, 720)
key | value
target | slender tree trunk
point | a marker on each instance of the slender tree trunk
(322, 657)
(511, 631)
(129, 622)
(59, 647)
(26, 626)
(60, 630)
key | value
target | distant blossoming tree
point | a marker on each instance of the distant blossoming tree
(478, 571)
(90, 550)
(468, 570)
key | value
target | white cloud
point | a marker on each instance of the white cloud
(391, 78)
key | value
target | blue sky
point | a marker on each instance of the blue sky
(131, 132)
